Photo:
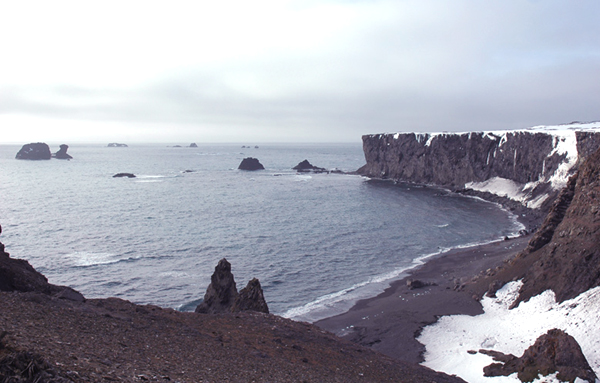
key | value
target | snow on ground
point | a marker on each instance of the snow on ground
(510, 332)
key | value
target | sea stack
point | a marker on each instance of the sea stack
(250, 163)
(222, 295)
(62, 153)
(34, 151)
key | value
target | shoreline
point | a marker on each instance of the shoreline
(391, 321)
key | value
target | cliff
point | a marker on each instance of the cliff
(528, 166)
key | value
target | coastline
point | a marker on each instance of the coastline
(390, 322)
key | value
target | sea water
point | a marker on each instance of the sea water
(317, 242)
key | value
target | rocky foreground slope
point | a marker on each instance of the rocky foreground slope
(52, 334)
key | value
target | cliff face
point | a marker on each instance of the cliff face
(529, 166)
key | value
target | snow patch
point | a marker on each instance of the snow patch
(500, 186)
(448, 341)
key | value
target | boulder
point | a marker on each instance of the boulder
(117, 145)
(251, 298)
(128, 175)
(221, 292)
(62, 153)
(306, 166)
(555, 351)
(34, 151)
(250, 163)
(193, 145)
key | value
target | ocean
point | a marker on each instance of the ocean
(316, 242)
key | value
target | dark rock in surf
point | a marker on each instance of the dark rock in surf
(128, 175)
(251, 298)
(306, 166)
(222, 291)
(555, 351)
(193, 145)
(62, 153)
(34, 151)
(250, 163)
(117, 145)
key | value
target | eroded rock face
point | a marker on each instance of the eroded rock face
(222, 295)
(250, 163)
(555, 351)
(62, 153)
(34, 151)
(569, 263)
(251, 298)
(454, 160)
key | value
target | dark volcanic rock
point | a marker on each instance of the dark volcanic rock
(222, 291)
(452, 160)
(250, 163)
(306, 166)
(128, 175)
(19, 275)
(569, 263)
(116, 145)
(555, 351)
(34, 151)
(251, 298)
(62, 153)
(193, 145)
(564, 255)
(222, 295)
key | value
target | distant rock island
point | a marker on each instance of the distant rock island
(34, 151)
(62, 153)
(193, 145)
(117, 145)
(306, 166)
(250, 163)
(128, 175)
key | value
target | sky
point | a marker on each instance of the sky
(292, 71)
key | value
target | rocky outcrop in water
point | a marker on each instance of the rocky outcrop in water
(529, 166)
(250, 163)
(555, 351)
(34, 151)
(116, 145)
(306, 166)
(62, 153)
(222, 295)
(193, 145)
(121, 175)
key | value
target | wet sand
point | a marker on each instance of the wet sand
(390, 322)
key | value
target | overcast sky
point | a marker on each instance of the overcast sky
(292, 71)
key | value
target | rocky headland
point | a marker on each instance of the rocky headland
(561, 184)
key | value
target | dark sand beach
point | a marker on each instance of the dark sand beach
(390, 322)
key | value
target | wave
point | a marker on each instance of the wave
(340, 302)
